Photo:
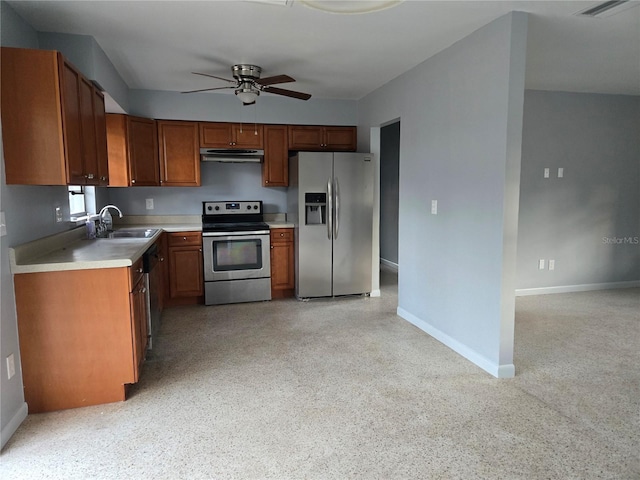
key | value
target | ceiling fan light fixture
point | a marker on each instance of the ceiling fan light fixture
(351, 7)
(247, 93)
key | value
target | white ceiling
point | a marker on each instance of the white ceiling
(156, 44)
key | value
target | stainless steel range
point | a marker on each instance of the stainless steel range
(236, 253)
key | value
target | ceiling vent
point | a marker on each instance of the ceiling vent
(606, 9)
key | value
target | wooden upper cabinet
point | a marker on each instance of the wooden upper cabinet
(50, 130)
(230, 135)
(101, 137)
(179, 153)
(328, 138)
(143, 151)
(133, 151)
(275, 169)
(72, 119)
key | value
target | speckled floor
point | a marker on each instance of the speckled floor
(336, 389)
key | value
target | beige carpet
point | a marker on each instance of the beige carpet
(337, 389)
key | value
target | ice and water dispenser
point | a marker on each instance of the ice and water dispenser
(315, 210)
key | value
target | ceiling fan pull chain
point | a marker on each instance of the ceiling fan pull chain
(255, 119)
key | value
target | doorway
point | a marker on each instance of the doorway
(389, 194)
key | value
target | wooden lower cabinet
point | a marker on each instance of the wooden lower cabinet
(186, 283)
(282, 263)
(82, 335)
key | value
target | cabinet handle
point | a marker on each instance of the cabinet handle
(161, 259)
(133, 181)
(143, 290)
(282, 234)
(139, 270)
(103, 178)
(184, 238)
(271, 247)
(199, 249)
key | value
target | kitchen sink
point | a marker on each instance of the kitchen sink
(132, 233)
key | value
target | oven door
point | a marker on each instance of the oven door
(236, 256)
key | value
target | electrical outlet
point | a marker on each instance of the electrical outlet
(560, 172)
(58, 214)
(546, 173)
(434, 207)
(541, 264)
(11, 366)
(552, 264)
(149, 203)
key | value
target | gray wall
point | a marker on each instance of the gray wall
(596, 139)
(460, 144)
(389, 191)
(86, 55)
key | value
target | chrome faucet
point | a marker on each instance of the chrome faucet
(105, 223)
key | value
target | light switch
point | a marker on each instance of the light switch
(552, 264)
(434, 207)
(58, 214)
(149, 202)
(560, 172)
(541, 264)
(546, 173)
(3, 226)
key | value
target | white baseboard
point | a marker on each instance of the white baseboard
(521, 292)
(387, 265)
(498, 371)
(13, 424)
(375, 293)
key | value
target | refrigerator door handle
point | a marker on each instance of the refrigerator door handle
(336, 223)
(329, 208)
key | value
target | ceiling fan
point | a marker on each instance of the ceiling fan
(248, 84)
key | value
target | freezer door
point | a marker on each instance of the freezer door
(353, 219)
(314, 240)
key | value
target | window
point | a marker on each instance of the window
(82, 201)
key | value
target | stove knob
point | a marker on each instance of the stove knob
(217, 207)
(209, 208)
(255, 207)
(248, 207)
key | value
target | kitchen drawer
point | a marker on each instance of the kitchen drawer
(136, 272)
(184, 238)
(282, 235)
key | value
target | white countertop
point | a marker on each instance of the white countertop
(72, 251)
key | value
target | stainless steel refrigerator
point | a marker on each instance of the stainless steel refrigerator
(330, 201)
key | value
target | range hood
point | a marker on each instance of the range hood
(231, 156)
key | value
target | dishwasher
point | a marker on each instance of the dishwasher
(152, 282)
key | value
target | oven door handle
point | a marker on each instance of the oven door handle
(234, 234)
(329, 209)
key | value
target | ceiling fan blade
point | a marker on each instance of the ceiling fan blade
(213, 76)
(207, 89)
(287, 93)
(275, 79)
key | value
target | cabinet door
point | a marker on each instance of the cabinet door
(340, 138)
(215, 135)
(70, 86)
(117, 151)
(275, 169)
(32, 131)
(179, 153)
(138, 305)
(143, 151)
(101, 137)
(282, 263)
(247, 135)
(88, 128)
(307, 138)
(185, 272)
